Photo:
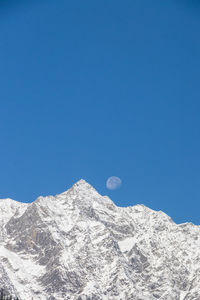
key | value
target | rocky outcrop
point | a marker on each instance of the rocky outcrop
(79, 246)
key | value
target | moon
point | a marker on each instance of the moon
(113, 183)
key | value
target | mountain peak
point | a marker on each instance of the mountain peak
(83, 187)
(82, 182)
(79, 245)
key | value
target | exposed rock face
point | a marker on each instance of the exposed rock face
(79, 246)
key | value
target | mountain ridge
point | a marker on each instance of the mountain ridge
(79, 245)
(82, 182)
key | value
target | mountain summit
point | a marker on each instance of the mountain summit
(79, 245)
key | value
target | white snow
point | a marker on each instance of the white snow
(122, 252)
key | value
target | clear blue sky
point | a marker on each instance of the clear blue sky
(91, 89)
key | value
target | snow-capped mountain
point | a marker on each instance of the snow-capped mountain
(80, 246)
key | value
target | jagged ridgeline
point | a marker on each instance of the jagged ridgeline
(79, 245)
(5, 296)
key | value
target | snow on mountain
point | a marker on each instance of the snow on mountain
(80, 246)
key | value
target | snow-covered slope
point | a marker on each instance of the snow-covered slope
(79, 246)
